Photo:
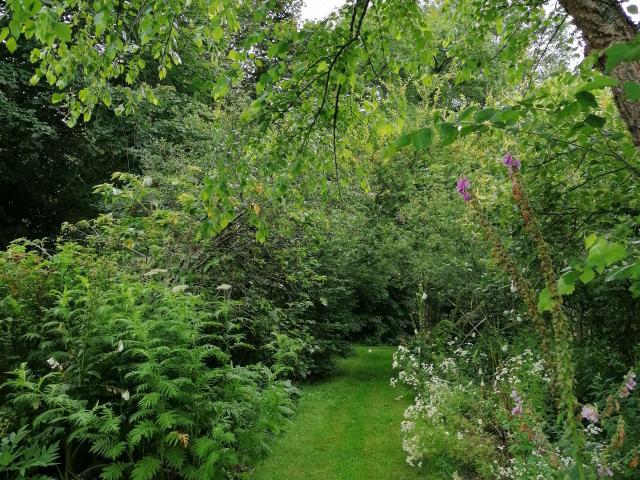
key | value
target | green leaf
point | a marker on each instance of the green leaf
(604, 254)
(400, 143)
(217, 33)
(632, 9)
(595, 121)
(544, 301)
(598, 83)
(565, 287)
(322, 67)
(113, 471)
(587, 99)
(590, 240)
(615, 253)
(83, 95)
(448, 133)
(484, 115)
(632, 90)
(12, 45)
(100, 21)
(466, 113)
(622, 52)
(278, 49)
(63, 31)
(587, 275)
(422, 138)
(146, 468)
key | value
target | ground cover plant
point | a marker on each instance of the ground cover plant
(205, 204)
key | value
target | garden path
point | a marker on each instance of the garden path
(346, 428)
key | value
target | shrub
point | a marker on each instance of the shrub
(127, 375)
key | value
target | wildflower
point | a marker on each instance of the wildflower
(590, 413)
(424, 295)
(126, 395)
(511, 162)
(631, 382)
(120, 346)
(629, 385)
(462, 187)
(53, 363)
(604, 471)
(180, 288)
(517, 409)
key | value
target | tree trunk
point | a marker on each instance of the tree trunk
(603, 23)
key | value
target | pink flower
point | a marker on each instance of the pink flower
(631, 382)
(629, 385)
(604, 471)
(590, 413)
(517, 410)
(462, 187)
(511, 162)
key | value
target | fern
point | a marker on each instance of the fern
(144, 429)
(115, 471)
(146, 468)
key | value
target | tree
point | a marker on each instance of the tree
(604, 23)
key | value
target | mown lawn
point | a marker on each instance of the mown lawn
(346, 428)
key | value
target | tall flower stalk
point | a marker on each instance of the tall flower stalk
(564, 369)
(502, 256)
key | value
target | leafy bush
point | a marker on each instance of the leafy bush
(128, 375)
(490, 410)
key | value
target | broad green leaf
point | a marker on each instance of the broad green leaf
(632, 90)
(63, 31)
(565, 287)
(622, 52)
(467, 113)
(587, 99)
(598, 83)
(615, 253)
(100, 21)
(448, 133)
(595, 121)
(484, 115)
(11, 45)
(544, 301)
(587, 275)
(217, 33)
(322, 67)
(422, 138)
(590, 240)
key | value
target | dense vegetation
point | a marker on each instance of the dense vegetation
(203, 204)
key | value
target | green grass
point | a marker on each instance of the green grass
(346, 428)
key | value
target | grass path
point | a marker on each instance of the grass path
(346, 428)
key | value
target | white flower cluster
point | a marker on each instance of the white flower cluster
(437, 384)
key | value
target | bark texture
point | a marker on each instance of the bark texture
(603, 23)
